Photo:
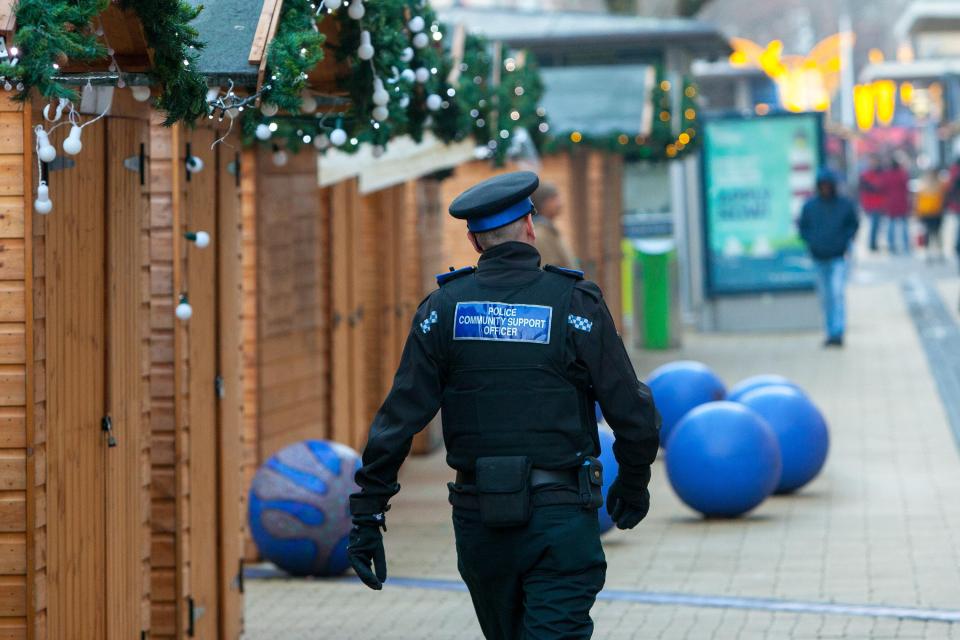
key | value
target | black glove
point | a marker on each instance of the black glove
(366, 547)
(627, 508)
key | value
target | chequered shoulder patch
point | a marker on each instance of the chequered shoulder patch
(426, 325)
(580, 323)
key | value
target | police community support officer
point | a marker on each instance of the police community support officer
(514, 357)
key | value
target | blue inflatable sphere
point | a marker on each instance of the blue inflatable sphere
(610, 470)
(723, 459)
(679, 387)
(800, 430)
(300, 510)
(747, 385)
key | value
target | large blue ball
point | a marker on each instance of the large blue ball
(723, 459)
(610, 470)
(300, 508)
(800, 430)
(680, 386)
(747, 385)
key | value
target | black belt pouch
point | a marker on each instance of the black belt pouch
(503, 489)
(590, 481)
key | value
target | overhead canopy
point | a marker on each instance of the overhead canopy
(909, 71)
(402, 161)
(228, 28)
(556, 31)
(928, 15)
(598, 100)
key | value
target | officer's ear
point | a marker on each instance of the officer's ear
(473, 241)
(529, 230)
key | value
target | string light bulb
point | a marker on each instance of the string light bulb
(380, 95)
(42, 204)
(365, 51)
(72, 144)
(141, 93)
(194, 164)
(338, 137)
(199, 238)
(308, 104)
(183, 311)
(356, 10)
(47, 152)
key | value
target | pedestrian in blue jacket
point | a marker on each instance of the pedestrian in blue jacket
(828, 223)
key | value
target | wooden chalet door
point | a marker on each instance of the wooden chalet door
(93, 340)
(212, 279)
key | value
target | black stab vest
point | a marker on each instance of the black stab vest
(506, 398)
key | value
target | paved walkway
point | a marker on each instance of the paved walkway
(880, 527)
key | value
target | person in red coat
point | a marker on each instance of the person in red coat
(872, 197)
(896, 190)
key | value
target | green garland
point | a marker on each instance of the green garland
(294, 52)
(166, 24)
(48, 33)
(513, 104)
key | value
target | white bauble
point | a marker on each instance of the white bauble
(333, 5)
(422, 74)
(434, 102)
(421, 40)
(408, 75)
(407, 54)
(416, 24)
(269, 109)
(321, 142)
(380, 113)
(262, 132)
(203, 240)
(280, 157)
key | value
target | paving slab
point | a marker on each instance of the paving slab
(879, 527)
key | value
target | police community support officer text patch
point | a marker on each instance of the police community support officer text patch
(502, 322)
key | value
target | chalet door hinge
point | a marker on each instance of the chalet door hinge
(194, 613)
(220, 387)
(106, 425)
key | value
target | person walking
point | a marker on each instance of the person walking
(828, 224)
(514, 356)
(897, 195)
(872, 198)
(551, 244)
(929, 210)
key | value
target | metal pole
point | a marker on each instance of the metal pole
(847, 115)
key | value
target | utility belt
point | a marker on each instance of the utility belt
(505, 488)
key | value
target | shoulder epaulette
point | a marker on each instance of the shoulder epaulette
(444, 278)
(576, 274)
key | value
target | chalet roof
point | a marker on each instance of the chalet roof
(537, 30)
(228, 28)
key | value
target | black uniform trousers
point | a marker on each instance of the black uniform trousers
(536, 581)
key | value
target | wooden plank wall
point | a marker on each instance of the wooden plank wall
(292, 349)
(163, 426)
(22, 477)
(250, 457)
